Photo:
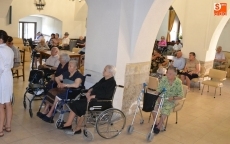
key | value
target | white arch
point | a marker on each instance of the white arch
(216, 36)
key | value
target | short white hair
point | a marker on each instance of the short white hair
(65, 57)
(74, 61)
(112, 69)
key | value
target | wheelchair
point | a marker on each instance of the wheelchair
(36, 88)
(62, 105)
(108, 121)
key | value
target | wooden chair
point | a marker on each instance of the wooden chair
(216, 79)
(178, 105)
(21, 67)
(153, 83)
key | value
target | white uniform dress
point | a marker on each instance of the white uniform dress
(6, 78)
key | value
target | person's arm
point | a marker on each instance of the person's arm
(179, 94)
(154, 57)
(182, 65)
(222, 58)
(57, 62)
(58, 81)
(164, 61)
(76, 84)
(164, 43)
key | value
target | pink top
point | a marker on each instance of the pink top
(162, 43)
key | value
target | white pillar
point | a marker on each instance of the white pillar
(118, 34)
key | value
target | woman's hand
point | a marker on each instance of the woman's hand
(171, 99)
(90, 97)
(61, 85)
(191, 72)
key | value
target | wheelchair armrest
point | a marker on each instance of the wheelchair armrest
(95, 99)
(73, 88)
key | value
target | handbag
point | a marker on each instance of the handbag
(149, 101)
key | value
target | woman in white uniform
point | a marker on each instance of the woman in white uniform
(6, 83)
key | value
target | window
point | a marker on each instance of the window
(27, 30)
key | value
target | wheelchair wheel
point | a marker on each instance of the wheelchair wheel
(110, 123)
(87, 135)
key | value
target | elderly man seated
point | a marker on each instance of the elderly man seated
(17, 55)
(52, 62)
(179, 62)
(219, 57)
(81, 42)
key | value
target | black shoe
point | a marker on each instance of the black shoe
(40, 115)
(78, 132)
(48, 119)
(62, 127)
(155, 126)
(156, 130)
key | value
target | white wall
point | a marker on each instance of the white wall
(51, 25)
(164, 27)
(38, 20)
(63, 10)
(224, 38)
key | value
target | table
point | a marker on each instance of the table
(71, 55)
(228, 72)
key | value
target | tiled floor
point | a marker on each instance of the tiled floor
(203, 120)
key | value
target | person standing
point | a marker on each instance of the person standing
(6, 83)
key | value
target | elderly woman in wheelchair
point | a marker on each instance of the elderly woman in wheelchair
(71, 79)
(174, 91)
(103, 90)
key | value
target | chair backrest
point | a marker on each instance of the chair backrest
(22, 55)
(217, 75)
(180, 103)
(153, 83)
(202, 71)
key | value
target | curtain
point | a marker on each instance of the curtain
(172, 15)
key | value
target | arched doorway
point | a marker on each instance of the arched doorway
(30, 25)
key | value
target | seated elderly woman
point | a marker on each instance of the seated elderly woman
(157, 60)
(103, 90)
(62, 67)
(174, 91)
(191, 70)
(71, 79)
